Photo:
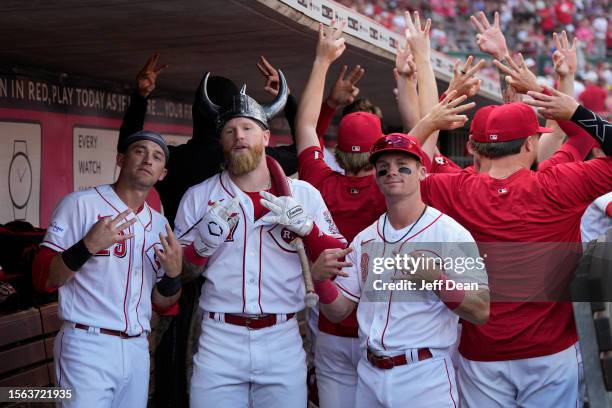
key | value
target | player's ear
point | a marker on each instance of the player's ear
(120, 159)
(422, 171)
(163, 175)
(266, 137)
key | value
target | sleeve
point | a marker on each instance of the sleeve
(438, 191)
(599, 128)
(325, 118)
(134, 117)
(311, 166)
(577, 147)
(41, 269)
(325, 233)
(66, 227)
(349, 286)
(466, 266)
(187, 218)
(578, 183)
(442, 164)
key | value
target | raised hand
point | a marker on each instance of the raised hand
(417, 36)
(555, 106)
(564, 57)
(328, 264)
(463, 80)
(147, 76)
(270, 74)
(490, 39)
(331, 43)
(443, 116)
(288, 212)
(215, 226)
(107, 232)
(404, 63)
(171, 257)
(518, 76)
(345, 89)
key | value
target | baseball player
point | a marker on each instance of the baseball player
(111, 256)
(250, 351)
(406, 336)
(526, 354)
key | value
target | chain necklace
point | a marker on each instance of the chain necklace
(403, 236)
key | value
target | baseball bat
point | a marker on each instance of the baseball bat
(279, 179)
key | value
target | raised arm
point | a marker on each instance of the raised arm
(405, 74)
(134, 117)
(491, 40)
(329, 48)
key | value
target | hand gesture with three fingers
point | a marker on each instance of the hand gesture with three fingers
(331, 43)
(446, 115)
(417, 36)
(463, 80)
(329, 264)
(108, 231)
(555, 106)
(518, 75)
(564, 57)
(147, 76)
(345, 89)
(404, 63)
(490, 38)
(171, 256)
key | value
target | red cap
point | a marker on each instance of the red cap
(512, 121)
(358, 131)
(479, 123)
(396, 142)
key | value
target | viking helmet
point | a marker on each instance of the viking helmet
(243, 106)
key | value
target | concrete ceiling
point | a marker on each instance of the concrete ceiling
(110, 40)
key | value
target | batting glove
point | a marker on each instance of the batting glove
(215, 227)
(288, 212)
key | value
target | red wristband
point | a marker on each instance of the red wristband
(192, 256)
(452, 298)
(327, 291)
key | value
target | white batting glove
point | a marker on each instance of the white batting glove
(215, 226)
(288, 212)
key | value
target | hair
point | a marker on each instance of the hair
(353, 162)
(498, 149)
(362, 105)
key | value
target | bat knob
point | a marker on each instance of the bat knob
(311, 300)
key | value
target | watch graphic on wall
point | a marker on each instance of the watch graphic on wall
(20, 179)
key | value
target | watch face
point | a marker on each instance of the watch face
(20, 180)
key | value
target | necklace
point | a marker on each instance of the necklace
(403, 236)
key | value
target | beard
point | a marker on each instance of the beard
(241, 163)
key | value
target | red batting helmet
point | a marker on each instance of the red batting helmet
(396, 142)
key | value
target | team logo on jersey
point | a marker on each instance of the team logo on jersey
(354, 190)
(363, 266)
(57, 229)
(356, 148)
(288, 236)
(502, 190)
(439, 160)
(493, 137)
(333, 230)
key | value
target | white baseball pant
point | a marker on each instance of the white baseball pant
(238, 367)
(538, 382)
(102, 370)
(336, 360)
(426, 383)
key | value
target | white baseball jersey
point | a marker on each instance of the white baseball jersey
(256, 270)
(112, 290)
(397, 320)
(595, 221)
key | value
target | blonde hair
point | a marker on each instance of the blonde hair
(353, 162)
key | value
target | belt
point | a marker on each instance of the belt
(388, 362)
(253, 322)
(110, 332)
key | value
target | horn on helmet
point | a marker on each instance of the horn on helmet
(281, 99)
(208, 107)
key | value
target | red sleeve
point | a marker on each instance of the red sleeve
(577, 147)
(438, 191)
(316, 242)
(41, 268)
(442, 164)
(609, 209)
(325, 117)
(311, 166)
(577, 183)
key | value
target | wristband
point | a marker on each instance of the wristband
(76, 256)
(327, 291)
(168, 286)
(452, 298)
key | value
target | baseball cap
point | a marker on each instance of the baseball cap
(358, 131)
(479, 123)
(512, 121)
(144, 135)
(396, 142)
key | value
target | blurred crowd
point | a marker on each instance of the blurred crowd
(527, 25)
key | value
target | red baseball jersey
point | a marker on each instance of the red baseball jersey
(543, 207)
